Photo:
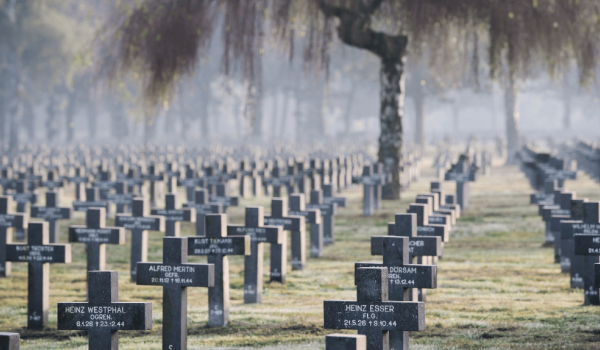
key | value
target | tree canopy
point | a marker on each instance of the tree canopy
(161, 40)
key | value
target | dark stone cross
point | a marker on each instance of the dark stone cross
(22, 197)
(203, 208)
(139, 222)
(371, 183)
(103, 315)
(122, 198)
(328, 212)
(403, 277)
(39, 254)
(313, 217)
(328, 197)
(91, 201)
(8, 220)
(297, 227)
(96, 235)
(423, 226)
(190, 182)
(173, 215)
(570, 263)
(10, 341)
(106, 181)
(51, 213)
(80, 180)
(589, 246)
(175, 275)
(217, 245)
(373, 314)
(253, 263)
(345, 342)
(157, 180)
(53, 181)
(590, 226)
(222, 198)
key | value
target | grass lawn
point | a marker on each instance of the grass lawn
(498, 288)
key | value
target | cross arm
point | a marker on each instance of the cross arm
(389, 315)
(105, 235)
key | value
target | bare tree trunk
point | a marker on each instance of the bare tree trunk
(29, 119)
(419, 119)
(284, 113)
(391, 113)
(348, 111)
(512, 119)
(298, 114)
(567, 106)
(15, 113)
(92, 111)
(51, 121)
(70, 114)
(274, 114)
(204, 104)
(185, 121)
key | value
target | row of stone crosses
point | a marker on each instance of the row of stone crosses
(215, 238)
(572, 225)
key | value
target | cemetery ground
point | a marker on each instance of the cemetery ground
(497, 286)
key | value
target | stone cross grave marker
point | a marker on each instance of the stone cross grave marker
(106, 181)
(139, 222)
(313, 217)
(91, 201)
(222, 198)
(588, 245)
(373, 314)
(370, 182)
(51, 213)
(38, 254)
(345, 342)
(22, 196)
(297, 227)
(328, 197)
(80, 179)
(103, 315)
(53, 181)
(203, 208)
(175, 275)
(156, 180)
(8, 220)
(190, 182)
(10, 341)
(217, 245)
(95, 235)
(570, 263)
(173, 215)
(403, 277)
(405, 225)
(121, 198)
(253, 263)
(423, 226)
(590, 226)
(328, 212)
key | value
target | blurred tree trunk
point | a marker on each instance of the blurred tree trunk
(51, 120)
(29, 119)
(419, 99)
(185, 121)
(284, 113)
(511, 109)
(118, 119)
(70, 113)
(455, 116)
(348, 109)
(92, 111)
(567, 103)
(298, 112)
(204, 104)
(274, 114)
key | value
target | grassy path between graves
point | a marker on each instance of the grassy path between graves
(497, 287)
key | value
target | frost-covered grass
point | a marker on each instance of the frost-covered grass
(498, 288)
